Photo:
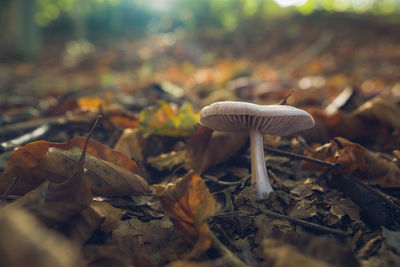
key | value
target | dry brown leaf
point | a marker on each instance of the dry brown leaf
(278, 254)
(189, 205)
(109, 172)
(149, 239)
(339, 123)
(56, 202)
(182, 263)
(304, 209)
(382, 110)
(99, 215)
(307, 250)
(377, 117)
(132, 143)
(167, 161)
(207, 148)
(26, 242)
(114, 117)
(343, 206)
(107, 256)
(356, 159)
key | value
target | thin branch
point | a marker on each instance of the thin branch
(306, 223)
(284, 101)
(337, 168)
(299, 156)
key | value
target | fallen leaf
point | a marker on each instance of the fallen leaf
(26, 242)
(207, 148)
(189, 205)
(377, 117)
(215, 263)
(304, 210)
(167, 119)
(356, 159)
(278, 254)
(392, 238)
(382, 110)
(56, 202)
(99, 215)
(294, 250)
(132, 143)
(106, 256)
(167, 161)
(149, 239)
(114, 117)
(109, 172)
(343, 206)
(92, 104)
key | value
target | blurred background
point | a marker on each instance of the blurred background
(201, 51)
(27, 24)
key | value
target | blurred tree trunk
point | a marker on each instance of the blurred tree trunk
(78, 21)
(21, 35)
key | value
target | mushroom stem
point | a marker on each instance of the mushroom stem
(259, 173)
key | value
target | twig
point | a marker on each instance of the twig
(91, 131)
(284, 101)
(289, 218)
(337, 168)
(225, 251)
(299, 156)
(306, 223)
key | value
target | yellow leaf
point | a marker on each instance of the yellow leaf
(167, 119)
(189, 204)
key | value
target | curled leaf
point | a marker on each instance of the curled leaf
(189, 204)
(208, 148)
(109, 172)
(356, 159)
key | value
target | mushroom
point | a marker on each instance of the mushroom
(258, 120)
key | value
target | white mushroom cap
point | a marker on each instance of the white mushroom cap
(241, 116)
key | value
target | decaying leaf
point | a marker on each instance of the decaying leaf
(382, 110)
(99, 215)
(392, 238)
(375, 118)
(283, 255)
(168, 161)
(114, 116)
(207, 148)
(167, 119)
(106, 256)
(355, 159)
(109, 172)
(56, 202)
(148, 239)
(339, 123)
(293, 250)
(340, 207)
(304, 209)
(189, 204)
(26, 242)
(132, 143)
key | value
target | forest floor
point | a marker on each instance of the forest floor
(155, 188)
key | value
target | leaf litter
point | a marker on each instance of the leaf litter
(157, 189)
